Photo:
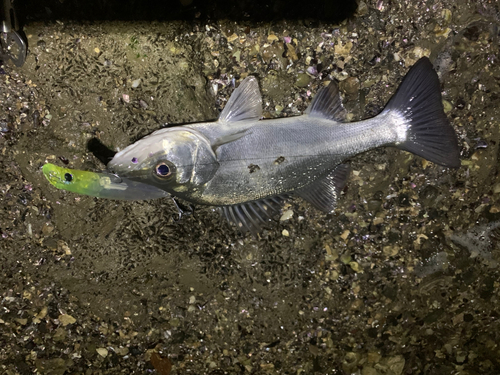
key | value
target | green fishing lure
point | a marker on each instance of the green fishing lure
(101, 185)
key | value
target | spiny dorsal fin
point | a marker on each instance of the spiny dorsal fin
(327, 104)
(252, 216)
(245, 103)
(323, 193)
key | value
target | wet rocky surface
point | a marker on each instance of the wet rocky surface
(402, 279)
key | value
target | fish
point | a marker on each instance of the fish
(247, 167)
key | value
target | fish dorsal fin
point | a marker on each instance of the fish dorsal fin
(245, 103)
(323, 193)
(327, 104)
(252, 216)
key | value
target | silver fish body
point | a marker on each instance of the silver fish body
(246, 165)
(286, 155)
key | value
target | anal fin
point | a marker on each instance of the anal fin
(323, 193)
(253, 216)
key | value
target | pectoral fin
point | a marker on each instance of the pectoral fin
(323, 193)
(227, 139)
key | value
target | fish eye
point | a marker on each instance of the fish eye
(68, 177)
(163, 170)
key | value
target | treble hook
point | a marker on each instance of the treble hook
(181, 210)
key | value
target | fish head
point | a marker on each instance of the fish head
(178, 160)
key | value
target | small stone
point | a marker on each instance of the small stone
(331, 254)
(355, 267)
(22, 321)
(374, 357)
(446, 14)
(396, 364)
(237, 55)
(447, 106)
(42, 313)
(303, 80)
(272, 38)
(103, 352)
(285, 233)
(345, 235)
(232, 37)
(362, 9)
(343, 49)
(66, 319)
(291, 53)
(496, 189)
(391, 250)
(122, 350)
(350, 86)
(345, 258)
(47, 229)
(63, 247)
(97, 50)
(287, 215)
(136, 83)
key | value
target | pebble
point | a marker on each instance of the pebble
(350, 86)
(345, 235)
(136, 83)
(272, 38)
(355, 267)
(447, 106)
(66, 319)
(103, 352)
(302, 80)
(285, 233)
(287, 215)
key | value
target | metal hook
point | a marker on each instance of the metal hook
(181, 210)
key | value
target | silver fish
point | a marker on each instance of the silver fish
(247, 166)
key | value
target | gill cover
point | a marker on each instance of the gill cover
(186, 151)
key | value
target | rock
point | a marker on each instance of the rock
(349, 86)
(103, 352)
(66, 319)
(302, 80)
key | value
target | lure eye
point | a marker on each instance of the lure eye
(163, 170)
(68, 177)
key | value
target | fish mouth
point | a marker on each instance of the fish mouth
(131, 189)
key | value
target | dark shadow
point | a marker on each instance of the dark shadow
(162, 10)
(100, 151)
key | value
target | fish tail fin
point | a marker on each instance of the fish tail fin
(427, 131)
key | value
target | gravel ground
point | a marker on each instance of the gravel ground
(402, 279)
